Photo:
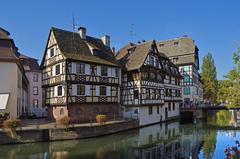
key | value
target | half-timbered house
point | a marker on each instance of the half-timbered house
(80, 76)
(146, 91)
(183, 52)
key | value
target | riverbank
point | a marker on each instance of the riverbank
(78, 131)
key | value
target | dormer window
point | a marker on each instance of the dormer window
(151, 61)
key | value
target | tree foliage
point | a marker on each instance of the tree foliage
(229, 89)
(209, 78)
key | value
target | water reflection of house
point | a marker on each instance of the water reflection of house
(159, 141)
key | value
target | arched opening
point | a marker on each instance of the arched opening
(61, 112)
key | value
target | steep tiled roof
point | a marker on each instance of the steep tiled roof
(31, 63)
(4, 34)
(132, 56)
(183, 48)
(74, 47)
(8, 50)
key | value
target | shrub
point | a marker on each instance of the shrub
(101, 118)
(64, 121)
(11, 123)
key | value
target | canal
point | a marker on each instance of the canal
(203, 139)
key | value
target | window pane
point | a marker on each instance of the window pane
(52, 52)
(35, 90)
(35, 77)
(104, 71)
(59, 91)
(57, 69)
(186, 90)
(80, 68)
(136, 94)
(103, 91)
(80, 89)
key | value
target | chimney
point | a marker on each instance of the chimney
(82, 32)
(106, 40)
(113, 50)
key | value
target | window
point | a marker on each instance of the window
(186, 78)
(145, 75)
(52, 52)
(152, 76)
(151, 60)
(173, 107)
(186, 90)
(170, 92)
(103, 91)
(61, 112)
(80, 89)
(57, 69)
(116, 72)
(157, 109)
(169, 106)
(59, 91)
(150, 110)
(35, 103)
(104, 71)
(80, 68)
(136, 94)
(159, 77)
(35, 90)
(147, 93)
(35, 77)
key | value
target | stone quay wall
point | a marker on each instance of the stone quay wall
(70, 133)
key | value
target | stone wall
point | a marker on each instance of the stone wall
(94, 131)
(26, 136)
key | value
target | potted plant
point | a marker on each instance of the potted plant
(101, 119)
(11, 125)
(64, 121)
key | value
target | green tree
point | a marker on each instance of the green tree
(233, 89)
(209, 78)
(223, 91)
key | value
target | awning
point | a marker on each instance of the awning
(3, 100)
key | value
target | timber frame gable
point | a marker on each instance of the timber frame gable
(64, 85)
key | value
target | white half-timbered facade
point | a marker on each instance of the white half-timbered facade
(144, 83)
(80, 76)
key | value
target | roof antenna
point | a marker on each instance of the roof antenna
(73, 32)
(131, 32)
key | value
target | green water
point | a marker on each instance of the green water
(173, 140)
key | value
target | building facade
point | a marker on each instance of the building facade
(80, 76)
(150, 88)
(184, 53)
(13, 82)
(34, 76)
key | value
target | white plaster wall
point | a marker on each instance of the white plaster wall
(145, 118)
(8, 84)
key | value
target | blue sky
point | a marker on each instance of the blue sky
(214, 25)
